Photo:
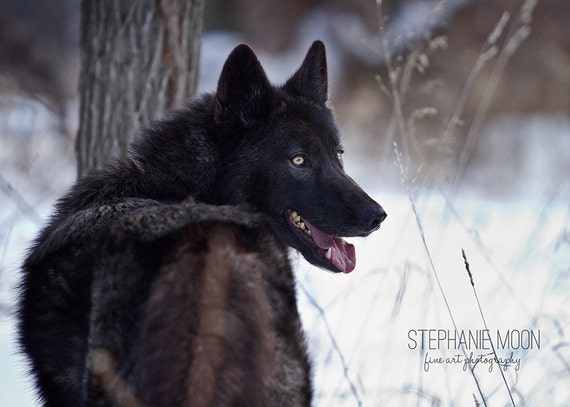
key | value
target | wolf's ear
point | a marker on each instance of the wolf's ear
(244, 92)
(310, 80)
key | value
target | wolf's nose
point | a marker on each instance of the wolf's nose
(373, 216)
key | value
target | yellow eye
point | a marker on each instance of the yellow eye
(339, 155)
(298, 160)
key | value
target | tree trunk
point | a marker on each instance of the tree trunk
(138, 59)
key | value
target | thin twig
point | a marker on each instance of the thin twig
(485, 324)
(21, 203)
(334, 344)
(512, 44)
(405, 184)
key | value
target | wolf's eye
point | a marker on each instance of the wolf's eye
(339, 154)
(298, 160)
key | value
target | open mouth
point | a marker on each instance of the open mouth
(330, 250)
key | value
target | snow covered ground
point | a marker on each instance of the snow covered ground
(364, 329)
(518, 254)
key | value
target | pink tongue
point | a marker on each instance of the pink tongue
(343, 255)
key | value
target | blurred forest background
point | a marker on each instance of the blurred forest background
(475, 94)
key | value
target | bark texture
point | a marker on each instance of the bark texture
(138, 59)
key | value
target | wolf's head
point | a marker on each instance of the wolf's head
(281, 154)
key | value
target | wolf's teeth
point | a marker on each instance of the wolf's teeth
(328, 253)
(299, 223)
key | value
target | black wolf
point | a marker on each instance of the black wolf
(114, 298)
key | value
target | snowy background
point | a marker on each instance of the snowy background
(510, 213)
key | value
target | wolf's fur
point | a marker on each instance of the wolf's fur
(136, 295)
